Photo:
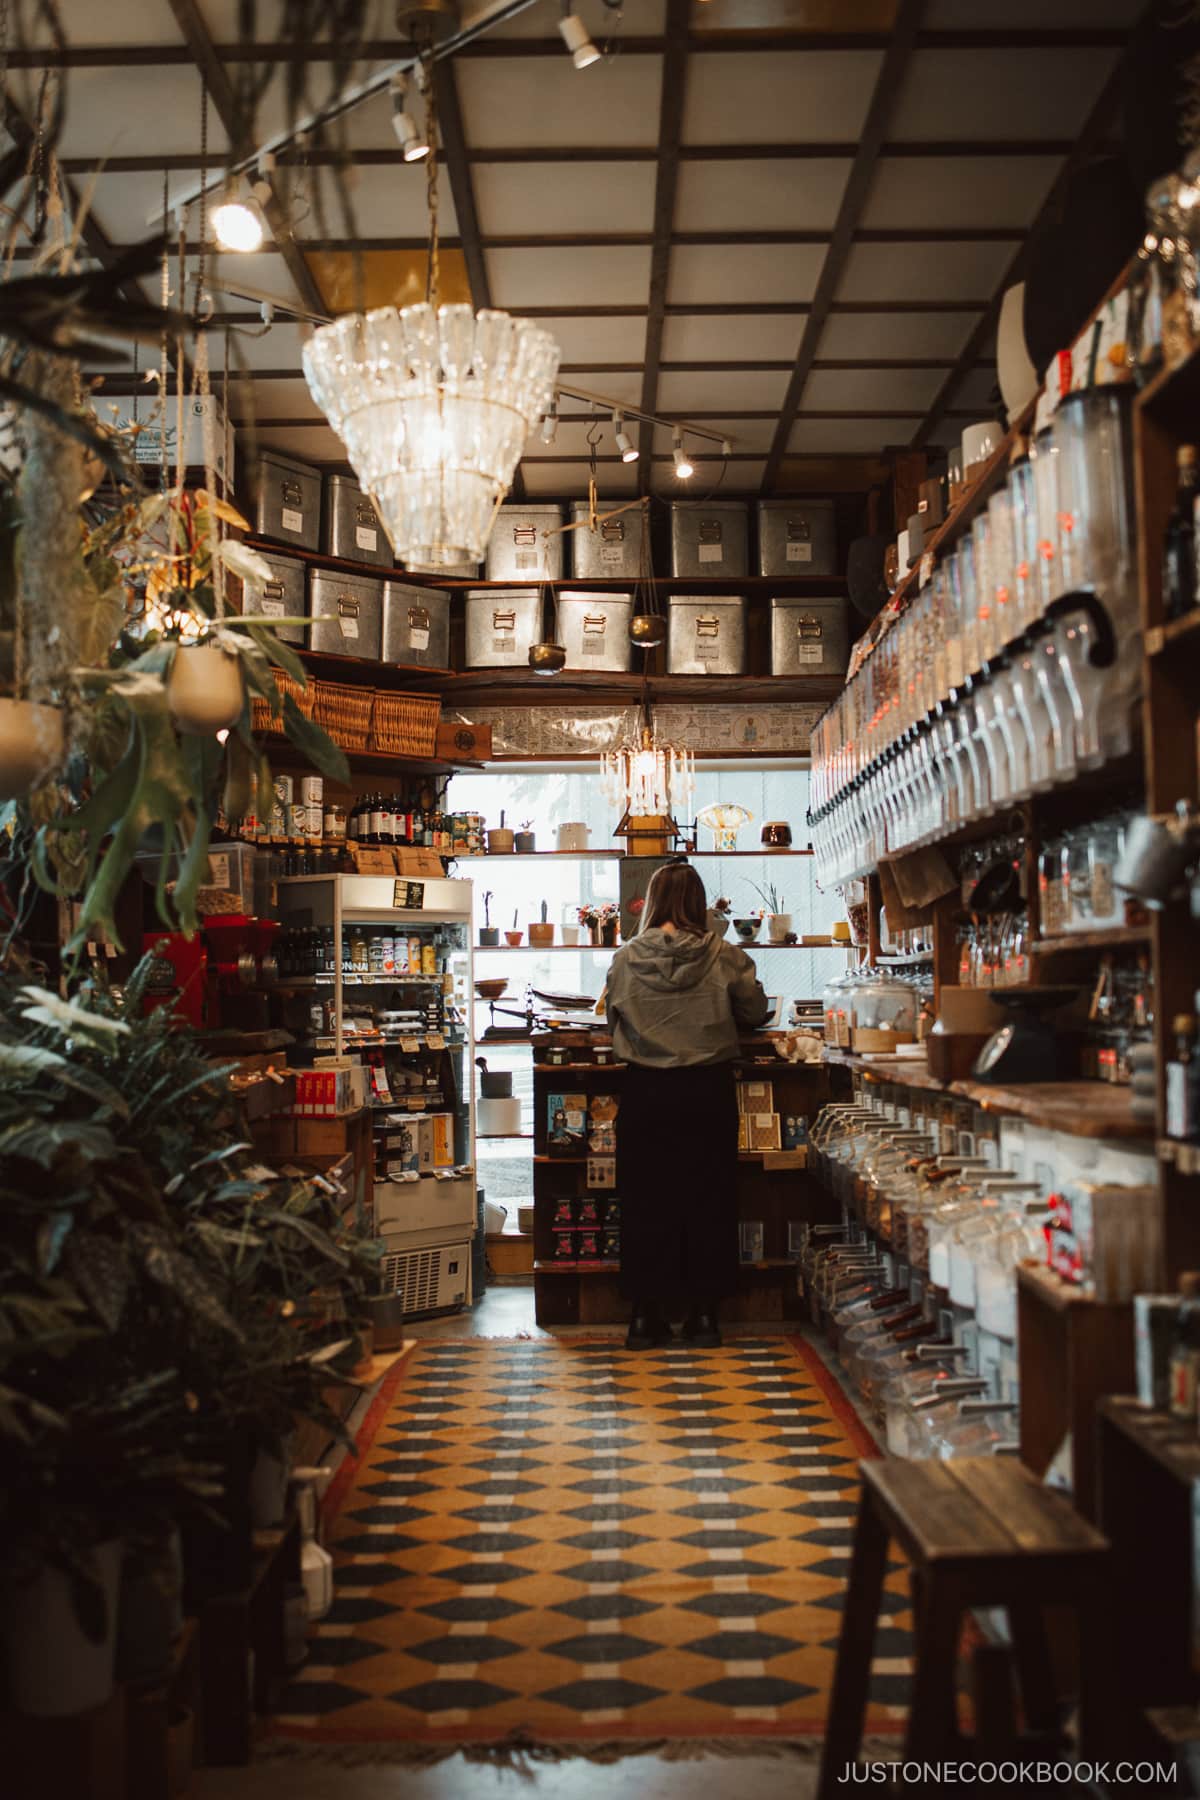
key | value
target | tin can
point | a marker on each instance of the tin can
(278, 822)
(312, 790)
(414, 956)
(429, 958)
(285, 790)
(316, 819)
(297, 819)
(388, 954)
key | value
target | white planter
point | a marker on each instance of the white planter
(54, 1669)
(31, 745)
(204, 690)
(570, 934)
(778, 926)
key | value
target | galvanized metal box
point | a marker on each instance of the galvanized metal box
(710, 538)
(520, 550)
(351, 527)
(283, 597)
(594, 630)
(287, 501)
(346, 613)
(809, 637)
(613, 549)
(416, 625)
(796, 537)
(502, 623)
(706, 634)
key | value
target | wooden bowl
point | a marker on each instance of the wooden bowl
(492, 988)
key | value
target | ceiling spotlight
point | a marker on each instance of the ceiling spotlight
(550, 424)
(237, 220)
(683, 467)
(574, 35)
(726, 447)
(624, 444)
(412, 142)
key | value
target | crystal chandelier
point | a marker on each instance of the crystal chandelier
(433, 404)
(648, 779)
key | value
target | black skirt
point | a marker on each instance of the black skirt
(677, 1180)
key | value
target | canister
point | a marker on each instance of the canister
(312, 789)
(416, 625)
(809, 636)
(502, 623)
(613, 549)
(706, 634)
(282, 597)
(594, 630)
(796, 537)
(287, 501)
(350, 525)
(285, 789)
(519, 548)
(346, 613)
(709, 537)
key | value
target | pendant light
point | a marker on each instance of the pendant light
(434, 404)
(648, 779)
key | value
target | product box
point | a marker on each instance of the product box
(1106, 1239)
(755, 1096)
(1153, 1330)
(601, 1171)
(566, 1124)
(602, 1124)
(758, 1131)
(403, 1149)
(751, 1241)
(322, 1093)
(795, 1131)
(441, 1131)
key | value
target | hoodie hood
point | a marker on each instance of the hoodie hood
(668, 961)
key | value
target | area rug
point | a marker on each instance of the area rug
(565, 1543)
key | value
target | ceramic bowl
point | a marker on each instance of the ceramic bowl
(747, 929)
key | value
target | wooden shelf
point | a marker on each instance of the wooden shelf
(601, 855)
(1176, 634)
(1114, 937)
(542, 949)
(565, 1162)
(284, 754)
(1173, 395)
(588, 1068)
(1172, 1443)
(1051, 1289)
(524, 687)
(1181, 1156)
(547, 1266)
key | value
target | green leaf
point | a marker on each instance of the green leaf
(320, 1240)
(280, 653)
(71, 1020)
(314, 743)
(172, 1269)
(41, 1141)
(32, 1059)
(101, 1271)
(52, 1235)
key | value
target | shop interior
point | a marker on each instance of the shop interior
(599, 890)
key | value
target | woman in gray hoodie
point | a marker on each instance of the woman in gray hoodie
(676, 997)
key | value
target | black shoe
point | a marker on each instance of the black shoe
(647, 1330)
(701, 1329)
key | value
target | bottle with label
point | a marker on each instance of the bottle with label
(376, 817)
(358, 950)
(1183, 1379)
(1183, 1081)
(414, 956)
(1179, 545)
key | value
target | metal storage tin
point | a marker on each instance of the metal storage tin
(283, 597)
(796, 537)
(351, 527)
(502, 623)
(613, 550)
(287, 501)
(594, 630)
(706, 634)
(517, 549)
(710, 538)
(809, 637)
(416, 625)
(346, 612)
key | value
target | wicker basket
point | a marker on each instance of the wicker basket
(261, 716)
(405, 724)
(344, 712)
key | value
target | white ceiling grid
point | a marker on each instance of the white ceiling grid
(564, 169)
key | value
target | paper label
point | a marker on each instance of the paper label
(418, 638)
(436, 1041)
(291, 520)
(707, 653)
(712, 553)
(218, 871)
(613, 554)
(274, 609)
(592, 648)
(797, 553)
(527, 559)
(410, 1044)
(809, 653)
(365, 539)
(349, 627)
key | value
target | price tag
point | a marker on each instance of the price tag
(349, 628)
(799, 553)
(366, 539)
(410, 1045)
(436, 1041)
(712, 553)
(291, 520)
(409, 895)
(418, 637)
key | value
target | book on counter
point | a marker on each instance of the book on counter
(566, 1124)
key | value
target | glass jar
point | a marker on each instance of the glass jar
(1104, 848)
(334, 820)
(1051, 902)
(835, 1002)
(884, 1013)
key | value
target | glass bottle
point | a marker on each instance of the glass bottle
(1183, 1098)
(1184, 1367)
(1179, 545)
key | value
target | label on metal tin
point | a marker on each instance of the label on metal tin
(291, 520)
(364, 539)
(799, 552)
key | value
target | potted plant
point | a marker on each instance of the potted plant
(513, 938)
(589, 919)
(779, 923)
(526, 841)
(608, 920)
(489, 934)
(541, 934)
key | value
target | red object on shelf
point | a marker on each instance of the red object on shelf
(179, 977)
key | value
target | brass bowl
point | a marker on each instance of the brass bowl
(647, 629)
(492, 988)
(547, 659)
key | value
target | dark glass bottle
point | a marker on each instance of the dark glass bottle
(1179, 545)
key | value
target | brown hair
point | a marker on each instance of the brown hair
(675, 896)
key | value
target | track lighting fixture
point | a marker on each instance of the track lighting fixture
(237, 219)
(574, 34)
(550, 424)
(624, 443)
(683, 467)
(413, 143)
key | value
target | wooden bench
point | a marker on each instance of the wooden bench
(978, 1532)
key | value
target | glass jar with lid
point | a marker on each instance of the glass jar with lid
(883, 1012)
(835, 1004)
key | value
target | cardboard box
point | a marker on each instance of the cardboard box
(464, 743)
(762, 1131)
(320, 1137)
(442, 1139)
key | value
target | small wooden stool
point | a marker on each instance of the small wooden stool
(980, 1532)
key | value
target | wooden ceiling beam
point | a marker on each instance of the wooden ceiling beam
(1094, 131)
(670, 136)
(884, 98)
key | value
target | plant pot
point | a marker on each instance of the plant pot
(541, 935)
(608, 934)
(205, 691)
(748, 929)
(387, 1315)
(513, 939)
(54, 1668)
(495, 1084)
(570, 934)
(31, 745)
(500, 842)
(269, 1476)
(526, 843)
(489, 937)
(150, 1613)
(778, 927)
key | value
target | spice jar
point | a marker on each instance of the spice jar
(1104, 847)
(334, 820)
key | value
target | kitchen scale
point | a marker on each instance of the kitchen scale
(1027, 1047)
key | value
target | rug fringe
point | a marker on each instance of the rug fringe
(523, 1754)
